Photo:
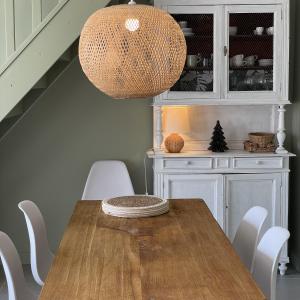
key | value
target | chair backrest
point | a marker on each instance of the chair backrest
(246, 237)
(17, 289)
(40, 254)
(266, 260)
(107, 179)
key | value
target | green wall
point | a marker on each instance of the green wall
(47, 156)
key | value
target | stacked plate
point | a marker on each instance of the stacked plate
(137, 206)
(188, 31)
(265, 62)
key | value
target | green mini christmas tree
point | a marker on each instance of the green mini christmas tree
(218, 143)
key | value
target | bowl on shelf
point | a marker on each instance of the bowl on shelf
(265, 62)
(233, 30)
(183, 24)
(270, 31)
(187, 30)
(188, 33)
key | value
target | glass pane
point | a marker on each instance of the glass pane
(251, 51)
(198, 71)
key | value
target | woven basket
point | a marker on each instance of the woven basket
(252, 147)
(132, 51)
(262, 139)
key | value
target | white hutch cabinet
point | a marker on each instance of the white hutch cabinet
(219, 79)
(236, 72)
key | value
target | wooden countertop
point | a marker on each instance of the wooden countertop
(180, 255)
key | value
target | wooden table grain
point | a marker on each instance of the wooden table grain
(180, 255)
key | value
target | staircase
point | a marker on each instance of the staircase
(38, 40)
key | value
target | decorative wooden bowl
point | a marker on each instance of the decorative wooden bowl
(137, 206)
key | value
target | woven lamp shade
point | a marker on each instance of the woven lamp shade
(132, 51)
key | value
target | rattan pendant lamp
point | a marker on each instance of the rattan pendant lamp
(132, 51)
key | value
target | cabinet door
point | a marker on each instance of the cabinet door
(253, 52)
(243, 191)
(201, 75)
(189, 186)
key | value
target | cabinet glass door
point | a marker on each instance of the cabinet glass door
(252, 51)
(199, 77)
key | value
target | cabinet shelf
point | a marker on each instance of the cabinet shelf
(199, 69)
(253, 100)
(251, 37)
(267, 68)
(199, 36)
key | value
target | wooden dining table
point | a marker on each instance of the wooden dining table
(183, 254)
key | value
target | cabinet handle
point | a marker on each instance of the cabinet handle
(225, 51)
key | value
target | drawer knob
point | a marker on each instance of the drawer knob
(188, 163)
(259, 162)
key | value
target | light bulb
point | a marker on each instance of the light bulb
(132, 24)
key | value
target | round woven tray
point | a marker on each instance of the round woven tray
(136, 206)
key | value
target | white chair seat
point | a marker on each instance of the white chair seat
(40, 255)
(246, 237)
(17, 288)
(266, 260)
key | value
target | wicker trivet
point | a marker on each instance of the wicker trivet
(135, 206)
(134, 201)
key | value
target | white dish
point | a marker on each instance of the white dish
(233, 30)
(183, 24)
(187, 29)
(124, 212)
(136, 215)
(270, 31)
(188, 33)
(265, 62)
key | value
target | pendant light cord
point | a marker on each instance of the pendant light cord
(145, 174)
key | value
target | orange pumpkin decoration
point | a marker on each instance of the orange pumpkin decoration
(174, 143)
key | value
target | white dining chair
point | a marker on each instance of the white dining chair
(40, 255)
(107, 179)
(266, 258)
(247, 235)
(17, 287)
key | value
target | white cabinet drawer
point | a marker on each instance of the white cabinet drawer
(200, 163)
(258, 163)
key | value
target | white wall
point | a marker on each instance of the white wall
(237, 122)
